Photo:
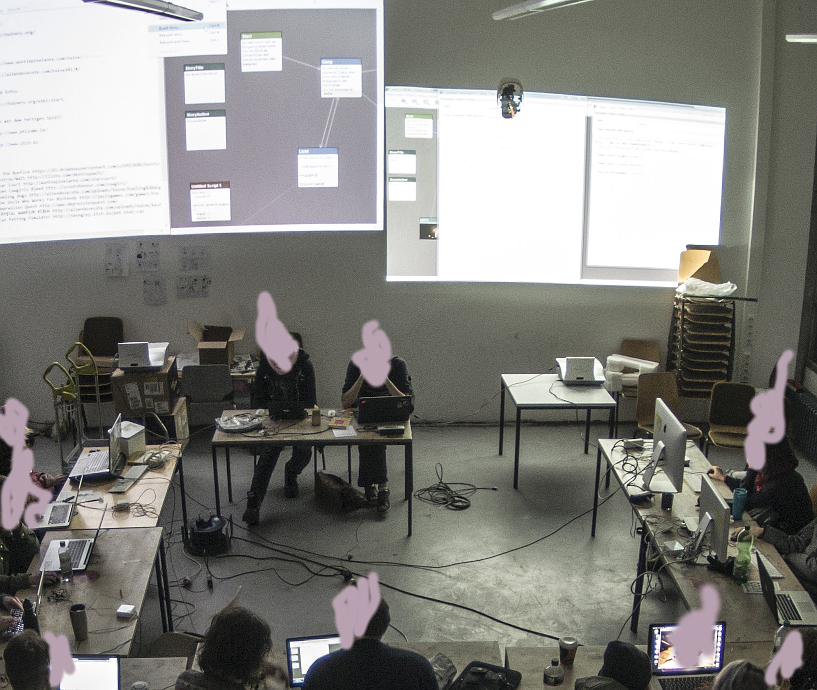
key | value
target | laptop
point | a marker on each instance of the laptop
(142, 355)
(127, 480)
(92, 673)
(795, 607)
(287, 409)
(103, 464)
(667, 669)
(580, 371)
(384, 409)
(79, 549)
(58, 514)
(302, 653)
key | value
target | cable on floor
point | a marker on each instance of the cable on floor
(442, 494)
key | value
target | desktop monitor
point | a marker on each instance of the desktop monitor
(715, 505)
(669, 444)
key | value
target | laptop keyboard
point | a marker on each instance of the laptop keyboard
(59, 513)
(97, 462)
(787, 608)
(687, 683)
(75, 550)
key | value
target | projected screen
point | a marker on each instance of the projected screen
(265, 116)
(575, 189)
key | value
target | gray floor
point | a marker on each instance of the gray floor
(531, 568)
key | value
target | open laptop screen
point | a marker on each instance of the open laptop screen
(663, 655)
(302, 653)
(92, 673)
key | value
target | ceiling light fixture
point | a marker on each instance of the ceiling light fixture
(166, 9)
(801, 38)
(533, 7)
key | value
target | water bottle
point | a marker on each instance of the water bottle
(66, 570)
(554, 674)
(740, 572)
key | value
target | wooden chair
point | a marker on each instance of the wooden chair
(664, 385)
(729, 414)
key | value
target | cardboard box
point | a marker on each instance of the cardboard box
(138, 392)
(216, 343)
(176, 424)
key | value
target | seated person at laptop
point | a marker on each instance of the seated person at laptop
(740, 675)
(370, 663)
(625, 667)
(272, 384)
(777, 494)
(805, 677)
(798, 550)
(28, 660)
(233, 654)
(372, 473)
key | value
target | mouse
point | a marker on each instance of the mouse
(710, 472)
(259, 412)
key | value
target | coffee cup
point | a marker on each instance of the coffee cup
(567, 650)
(79, 622)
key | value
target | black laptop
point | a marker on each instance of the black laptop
(385, 408)
(288, 409)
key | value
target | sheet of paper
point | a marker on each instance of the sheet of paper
(344, 433)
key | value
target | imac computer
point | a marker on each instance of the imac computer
(669, 446)
(715, 506)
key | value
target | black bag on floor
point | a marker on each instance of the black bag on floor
(481, 676)
(338, 494)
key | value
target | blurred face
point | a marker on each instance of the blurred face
(278, 369)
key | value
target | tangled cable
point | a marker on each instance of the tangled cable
(443, 494)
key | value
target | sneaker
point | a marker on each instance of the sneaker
(252, 515)
(383, 503)
(291, 487)
(371, 494)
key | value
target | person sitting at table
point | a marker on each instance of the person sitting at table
(625, 667)
(272, 384)
(804, 677)
(372, 471)
(370, 663)
(28, 662)
(777, 494)
(740, 675)
(233, 655)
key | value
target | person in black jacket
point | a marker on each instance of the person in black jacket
(372, 473)
(273, 384)
(777, 494)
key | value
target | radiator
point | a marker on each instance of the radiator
(801, 409)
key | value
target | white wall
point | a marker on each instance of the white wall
(458, 338)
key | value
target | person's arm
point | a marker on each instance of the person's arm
(399, 381)
(11, 583)
(791, 543)
(351, 386)
(310, 391)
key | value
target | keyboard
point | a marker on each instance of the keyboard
(76, 548)
(95, 462)
(59, 513)
(687, 683)
(787, 608)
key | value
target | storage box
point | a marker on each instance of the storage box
(133, 438)
(176, 424)
(216, 343)
(138, 392)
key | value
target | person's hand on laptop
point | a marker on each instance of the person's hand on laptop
(7, 622)
(756, 530)
(48, 580)
(10, 603)
(716, 473)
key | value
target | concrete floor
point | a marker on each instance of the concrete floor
(532, 565)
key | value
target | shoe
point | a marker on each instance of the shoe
(383, 503)
(252, 515)
(371, 494)
(291, 487)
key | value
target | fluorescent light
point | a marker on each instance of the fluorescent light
(166, 9)
(801, 38)
(532, 7)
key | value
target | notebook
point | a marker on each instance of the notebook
(80, 550)
(580, 371)
(142, 355)
(302, 653)
(795, 607)
(92, 673)
(59, 514)
(384, 408)
(668, 670)
(102, 464)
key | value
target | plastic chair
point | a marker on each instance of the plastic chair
(640, 349)
(729, 414)
(664, 385)
(209, 391)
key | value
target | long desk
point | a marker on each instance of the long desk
(547, 392)
(157, 672)
(118, 574)
(531, 661)
(302, 433)
(747, 617)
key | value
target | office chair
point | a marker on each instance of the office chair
(729, 414)
(664, 385)
(102, 335)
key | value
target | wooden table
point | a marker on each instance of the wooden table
(747, 616)
(531, 661)
(547, 392)
(118, 574)
(302, 433)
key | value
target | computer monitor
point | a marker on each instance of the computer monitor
(718, 509)
(669, 444)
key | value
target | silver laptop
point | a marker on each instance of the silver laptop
(302, 653)
(141, 355)
(794, 606)
(59, 514)
(668, 669)
(79, 549)
(580, 371)
(94, 672)
(102, 464)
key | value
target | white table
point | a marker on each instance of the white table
(547, 392)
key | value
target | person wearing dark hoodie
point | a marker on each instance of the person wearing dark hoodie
(625, 667)
(273, 384)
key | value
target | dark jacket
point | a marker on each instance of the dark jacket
(783, 503)
(799, 551)
(398, 375)
(17, 549)
(598, 683)
(298, 384)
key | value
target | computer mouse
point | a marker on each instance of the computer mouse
(259, 412)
